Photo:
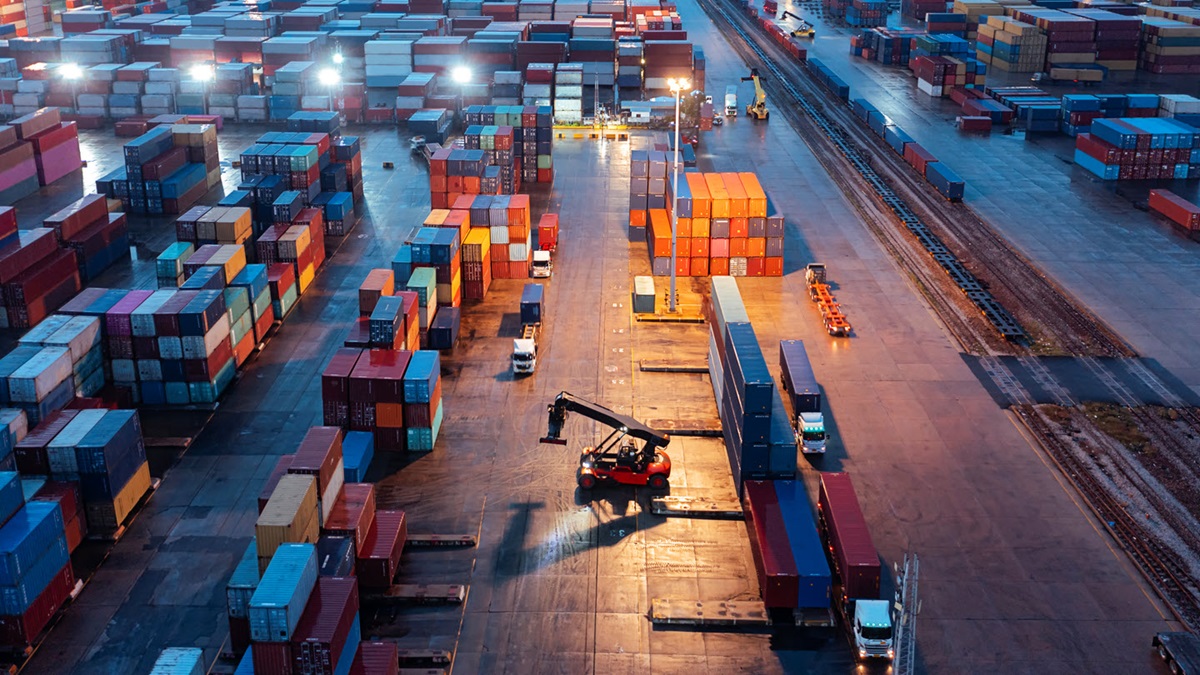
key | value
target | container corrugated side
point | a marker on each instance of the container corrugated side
(290, 515)
(282, 593)
(841, 519)
(808, 552)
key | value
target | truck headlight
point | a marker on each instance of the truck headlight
(862, 653)
(891, 653)
(587, 464)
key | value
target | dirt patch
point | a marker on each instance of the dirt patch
(1116, 423)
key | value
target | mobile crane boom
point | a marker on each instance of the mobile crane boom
(804, 30)
(758, 109)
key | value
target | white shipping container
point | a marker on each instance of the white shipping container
(252, 102)
(499, 234)
(170, 347)
(563, 91)
(314, 103)
(80, 335)
(164, 74)
(15, 422)
(331, 491)
(149, 370)
(33, 381)
(165, 102)
(518, 252)
(568, 105)
(388, 47)
(23, 100)
(119, 112)
(536, 91)
(33, 86)
(61, 450)
(229, 112)
(142, 318)
(245, 115)
(389, 71)
(101, 112)
(168, 87)
(410, 102)
(42, 332)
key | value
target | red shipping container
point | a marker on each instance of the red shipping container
(778, 580)
(239, 634)
(31, 450)
(65, 493)
(1177, 209)
(73, 219)
(37, 245)
(353, 514)
(321, 635)
(378, 377)
(335, 385)
(359, 336)
(39, 280)
(379, 559)
(319, 454)
(22, 630)
(377, 658)
(165, 164)
(273, 658)
(280, 470)
(390, 440)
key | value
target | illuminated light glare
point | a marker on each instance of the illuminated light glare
(202, 72)
(70, 71)
(329, 77)
(338, 58)
(461, 74)
(678, 85)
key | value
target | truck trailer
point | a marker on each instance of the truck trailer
(800, 385)
(856, 569)
(525, 348)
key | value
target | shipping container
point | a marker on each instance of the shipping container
(180, 661)
(320, 455)
(379, 559)
(282, 593)
(290, 516)
(808, 552)
(798, 378)
(322, 636)
(840, 520)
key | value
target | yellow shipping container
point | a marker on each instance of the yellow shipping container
(290, 515)
(234, 226)
(108, 516)
(306, 278)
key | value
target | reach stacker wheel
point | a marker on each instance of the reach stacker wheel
(657, 482)
(586, 481)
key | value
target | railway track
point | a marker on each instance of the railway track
(1160, 564)
(898, 206)
(887, 192)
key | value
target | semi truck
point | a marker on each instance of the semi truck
(800, 385)
(731, 104)
(525, 348)
(1180, 651)
(856, 569)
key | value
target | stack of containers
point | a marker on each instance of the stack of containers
(1180, 211)
(867, 13)
(412, 93)
(630, 53)
(723, 228)
(423, 410)
(647, 184)
(206, 225)
(1071, 39)
(1117, 38)
(37, 276)
(103, 451)
(36, 576)
(789, 556)
(477, 263)
(20, 177)
(81, 336)
(510, 232)
(376, 396)
(1169, 46)
(917, 9)
(98, 237)
(539, 79)
(568, 93)
(167, 169)
(55, 143)
(278, 604)
(1011, 46)
(1139, 149)
(497, 144)
(747, 398)
(666, 59)
(885, 45)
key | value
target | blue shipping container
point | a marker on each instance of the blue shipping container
(808, 551)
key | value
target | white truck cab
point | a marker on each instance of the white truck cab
(542, 266)
(872, 629)
(810, 433)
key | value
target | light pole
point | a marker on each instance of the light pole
(677, 86)
(203, 73)
(330, 78)
(71, 72)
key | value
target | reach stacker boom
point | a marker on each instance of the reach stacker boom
(617, 458)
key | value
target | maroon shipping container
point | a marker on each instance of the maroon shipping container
(165, 164)
(1179, 210)
(841, 522)
(239, 634)
(319, 455)
(117, 321)
(75, 218)
(359, 336)
(281, 469)
(43, 277)
(63, 492)
(778, 580)
(378, 377)
(335, 386)
(166, 318)
(31, 450)
(36, 245)
(379, 561)
(22, 630)
(273, 658)
(352, 514)
(376, 658)
(321, 635)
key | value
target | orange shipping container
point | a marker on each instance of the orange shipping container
(518, 210)
(459, 220)
(499, 253)
(756, 247)
(718, 194)
(737, 247)
(774, 267)
(701, 227)
(756, 197)
(739, 227)
(699, 267)
(637, 218)
(471, 184)
(378, 283)
(660, 233)
(754, 267)
(699, 247)
(683, 227)
(683, 267)
(517, 234)
(701, 199)
(683, 247)
(389, 415)
(718, 267)
(454, 184)
(737, 195)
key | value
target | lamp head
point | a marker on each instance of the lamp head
(329, 77)
(202, 72)
(70, 71)
(461, 74)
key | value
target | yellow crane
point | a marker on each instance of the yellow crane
(758, 109)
